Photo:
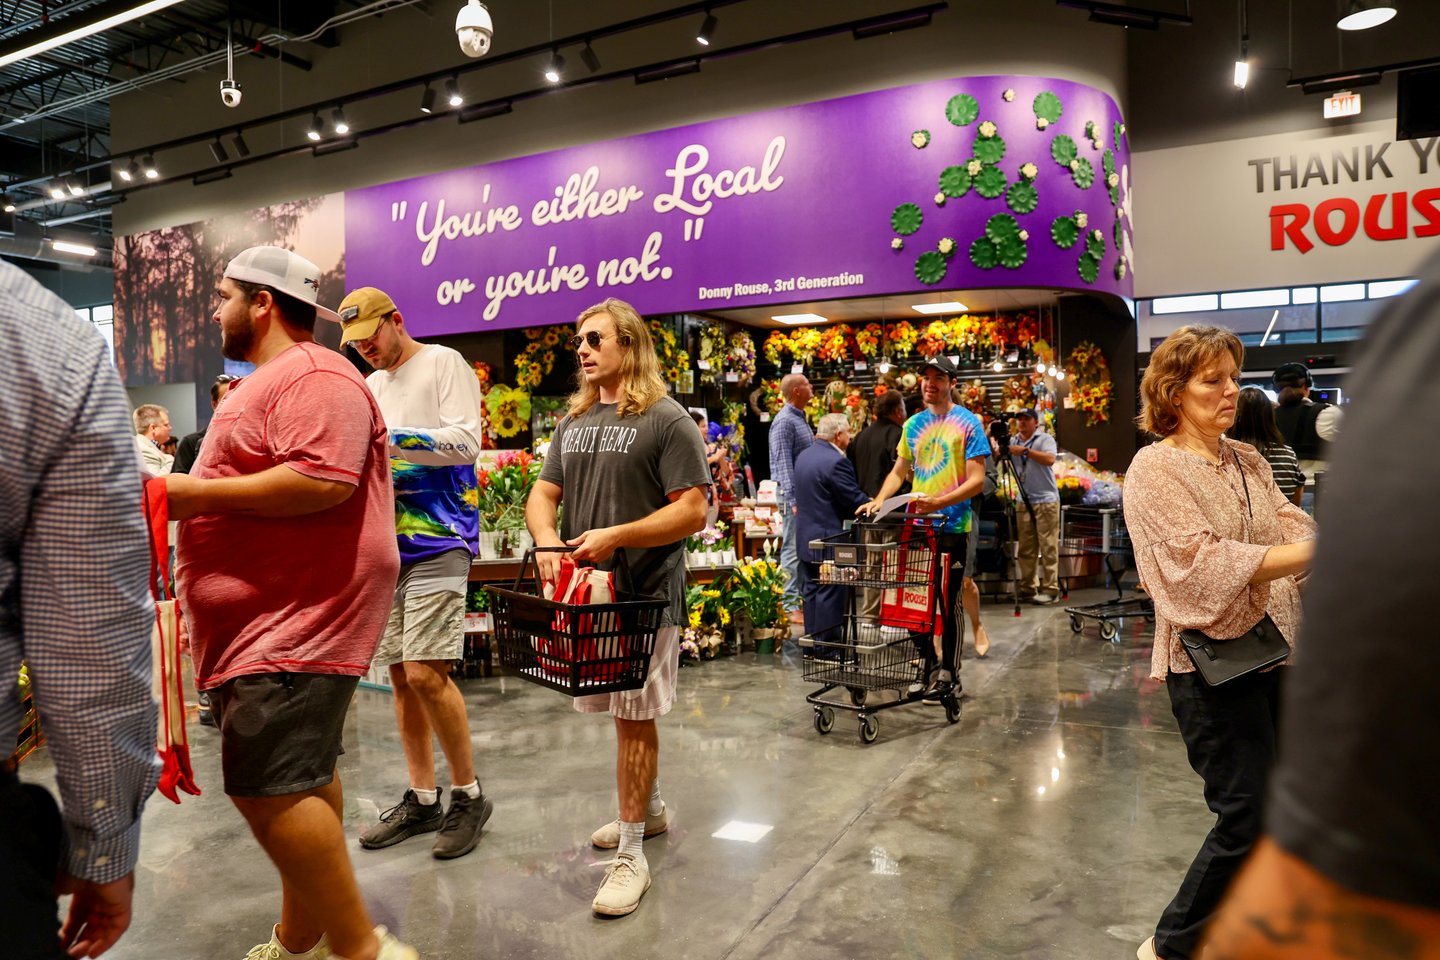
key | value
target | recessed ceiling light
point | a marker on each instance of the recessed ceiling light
(951, 306)
(798, 318)
(742, 831)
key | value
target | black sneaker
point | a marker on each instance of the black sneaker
(461, 829)
(941, 683)
(402, 821)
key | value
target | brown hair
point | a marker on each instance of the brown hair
(1184, 353)
(640, 382)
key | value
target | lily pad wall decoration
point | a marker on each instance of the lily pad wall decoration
(906, 219)
(920, 139)
(1095, 246)
(983, 253)
(1062, 150)
(990, 149)
(1022, 197)
(1119, 131)
(991, 182)
(955, 181)
(1107, 162)
(1013, 252)
(1082, 173)
(1089, 268)
(1002, 226)
(1119, 235)
(1064, 232)
(1047, 107)
(930, 268)
(962, 109)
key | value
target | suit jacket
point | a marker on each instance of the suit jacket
(826, 494)
(873, 452)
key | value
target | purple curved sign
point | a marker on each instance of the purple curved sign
(957, 184)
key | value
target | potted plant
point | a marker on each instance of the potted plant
(491, 509)
(756, 588)
(511, 481)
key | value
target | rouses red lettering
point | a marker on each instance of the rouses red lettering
(1349, 222)
(1294, 228)
(1288, 221)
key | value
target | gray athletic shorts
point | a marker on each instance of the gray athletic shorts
(657, 696)
(280, 732)
(427, 618)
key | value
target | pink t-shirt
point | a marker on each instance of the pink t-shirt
(306, 594)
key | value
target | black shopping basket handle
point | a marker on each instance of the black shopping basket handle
(622, 563)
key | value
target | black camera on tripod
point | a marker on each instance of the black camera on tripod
(1000, 431)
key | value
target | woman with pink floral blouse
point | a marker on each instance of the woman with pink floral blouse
(1218, 547)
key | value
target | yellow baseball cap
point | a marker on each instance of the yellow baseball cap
(362, 311)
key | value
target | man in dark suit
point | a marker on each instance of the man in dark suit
(826, 495)
(873, 449)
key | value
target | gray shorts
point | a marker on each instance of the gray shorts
(427, 617)
(657, 696)
(280, 732)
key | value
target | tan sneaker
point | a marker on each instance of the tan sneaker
(608, 836)
(274, 950)
(393, 949)
(626, 880)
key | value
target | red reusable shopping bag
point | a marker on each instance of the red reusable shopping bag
(910, 606)
(171, 741)
(579, 586)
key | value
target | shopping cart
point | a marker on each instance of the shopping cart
(896, 555)
(1092, 530)
(577, 648)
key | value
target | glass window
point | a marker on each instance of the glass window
(1348, 320)
(103, 313)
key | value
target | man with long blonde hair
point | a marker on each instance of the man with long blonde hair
(630, 467)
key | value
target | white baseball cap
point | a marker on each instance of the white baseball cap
(283, 270)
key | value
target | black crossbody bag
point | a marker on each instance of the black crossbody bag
(1263, 645)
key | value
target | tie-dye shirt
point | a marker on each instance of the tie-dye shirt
(938, 448)
(431, 404)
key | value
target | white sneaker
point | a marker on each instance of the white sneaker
(393, 949)
(608, 836)
(626, 880)
(274, 950)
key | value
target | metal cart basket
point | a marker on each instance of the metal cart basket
(863, 656)
(578, 649)
(1102, 531)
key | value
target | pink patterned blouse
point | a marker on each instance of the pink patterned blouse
(1197, 545)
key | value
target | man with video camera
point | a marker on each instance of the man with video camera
(1037, 515)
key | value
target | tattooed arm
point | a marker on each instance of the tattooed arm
(1282, 908)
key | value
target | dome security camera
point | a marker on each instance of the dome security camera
(474, 29)
(230, 93)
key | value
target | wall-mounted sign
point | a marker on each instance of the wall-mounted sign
(967, 183)
(1342, 104)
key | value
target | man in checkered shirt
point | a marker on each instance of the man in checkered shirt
(789, 436)
(74, 606)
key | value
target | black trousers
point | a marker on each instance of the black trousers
(949, 578)
(1230, 736)
(29, 861)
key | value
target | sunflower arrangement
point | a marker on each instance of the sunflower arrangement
(740, 360)
(673, 361)
(935, 338)
(509, 409)
(868, 340)
(902, 338)
(805, 344)
(538, 357)
(776, 346)
(712, 348)
(485, 374)
(767, 398)
(1094, 400)
(1092, 387)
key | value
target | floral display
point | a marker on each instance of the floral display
(974, 396)
(1091, 386)
(740, 360)
(1072, 489)
(868, 339)
(732, 416)
(538, 357)
(776, 346)
(508, 409)
(757, 587)
(901, 338)
(673, 361)
(767, 398)
(712, 350)
(805, 343)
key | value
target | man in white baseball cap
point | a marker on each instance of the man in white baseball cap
(287, 564)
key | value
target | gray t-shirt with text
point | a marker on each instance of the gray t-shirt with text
(612, 471)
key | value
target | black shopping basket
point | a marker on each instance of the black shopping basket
(578, 649)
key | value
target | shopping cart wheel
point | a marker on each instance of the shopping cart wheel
(1108, 630)
(952, 709)
(869, 729)
(824, 720)
(857, 696)
(1076, 624)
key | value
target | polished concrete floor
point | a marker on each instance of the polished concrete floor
(1053, 821)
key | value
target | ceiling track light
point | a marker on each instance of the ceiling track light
(314, 132)
(1123, 15)
(667, 71)
(147, 164)
(217, 150)
(242, 149)
(338, 121)
(556, 69)
(76, 188)
(891, 23)
(57, 190)
(427, 100)
(1242, 66)
(452, 93)
(707, 30)
(6, 203)
(1364, 14)
(129, 172)
(588, 57)
(201, 179)
(484, 111)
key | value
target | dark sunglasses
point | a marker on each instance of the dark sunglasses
(594, 338)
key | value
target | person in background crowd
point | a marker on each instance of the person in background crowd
(80, 620)
(152, 428)
(1219, 549)
(789, 435)
(431, 403)
(943, 448)
(296, 470)
(1307, 426)
(714, 458)
(189, 447)
(630, 469)
(1255, 425)
(1033, 453)
(872, 452)
(826, 496)
(1350, 862)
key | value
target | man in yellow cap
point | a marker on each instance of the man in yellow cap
(431, 403)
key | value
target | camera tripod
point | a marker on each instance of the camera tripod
(1005, 467)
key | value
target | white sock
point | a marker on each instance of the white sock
(657, 806)
(426, 798)
(471, 789)
(632, 839)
